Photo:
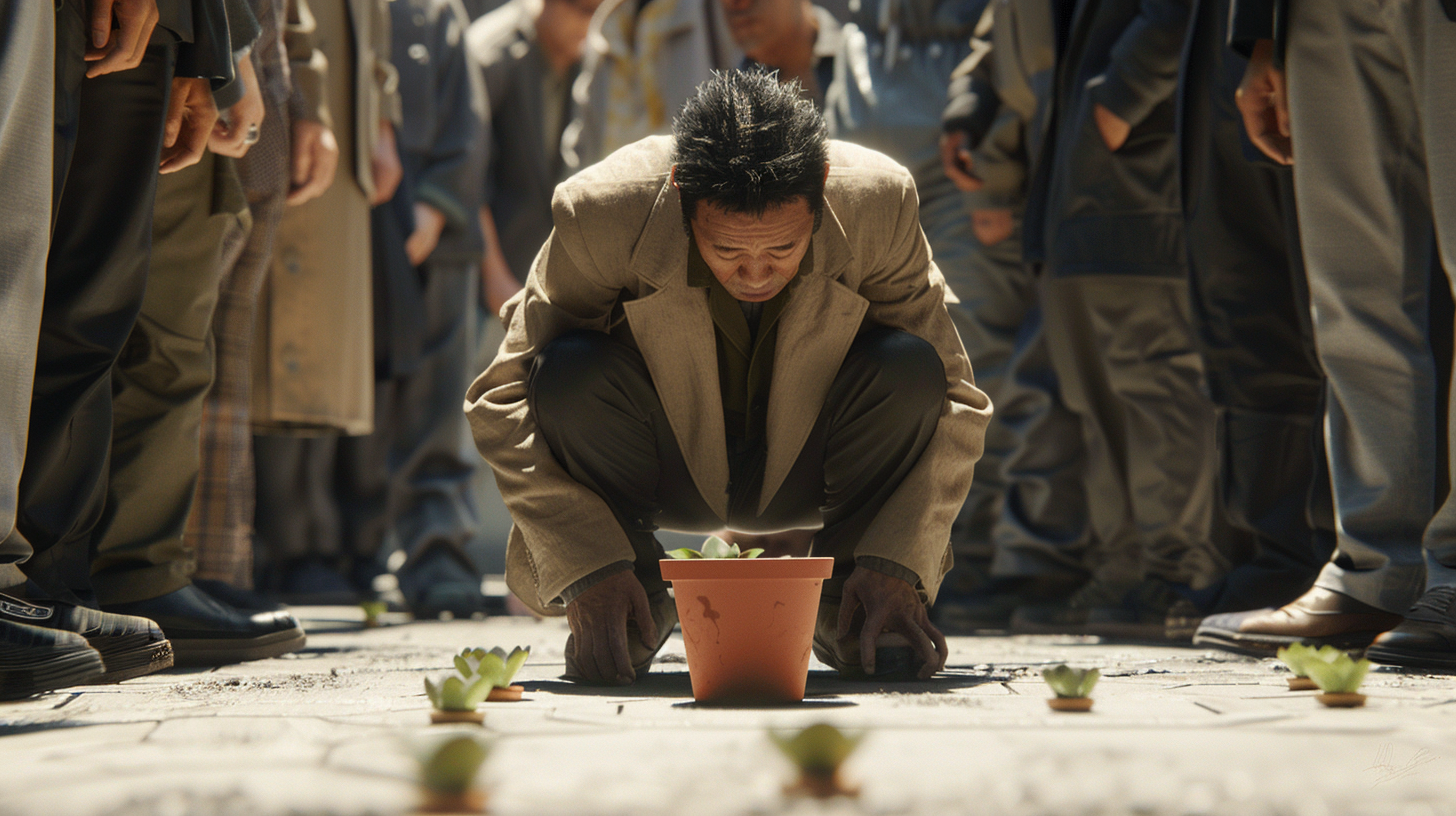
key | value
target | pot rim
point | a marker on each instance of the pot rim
(718, 569)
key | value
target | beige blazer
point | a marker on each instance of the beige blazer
(617, 262)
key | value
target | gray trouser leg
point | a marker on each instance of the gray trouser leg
(1373, 103)
(27, 87)
(1124, 354)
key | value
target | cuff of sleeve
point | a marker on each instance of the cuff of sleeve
(887, 567)
(228, 95)
(1109, 91)
(442, 200)
(575, 589)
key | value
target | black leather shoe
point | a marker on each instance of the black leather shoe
(206, 632)
(1427, 638)
(130, 646)
(244, 600)
(34, 659)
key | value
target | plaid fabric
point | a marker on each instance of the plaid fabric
(219, 529)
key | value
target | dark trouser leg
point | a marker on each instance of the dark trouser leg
(597, 409)
(95, 279)
(160, 382)
(1251, 311)
(297, 514)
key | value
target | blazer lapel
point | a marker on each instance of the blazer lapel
(815, 330)
(674, 331)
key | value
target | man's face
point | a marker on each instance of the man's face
(755, 23)
(754, 256)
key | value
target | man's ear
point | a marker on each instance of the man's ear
(826, 172)
(672, 177)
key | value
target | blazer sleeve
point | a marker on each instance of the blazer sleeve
(243, 31)
(1249, 22)
(907, 291)
(307, 66)
(1145, 61)
(209, 53)
(446, 181)
(563, 531)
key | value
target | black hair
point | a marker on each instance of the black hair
(747, 142)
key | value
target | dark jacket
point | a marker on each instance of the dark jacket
(1254, 20)
(521, 173)
(200, 29)
(1090, 210)
(444, 115)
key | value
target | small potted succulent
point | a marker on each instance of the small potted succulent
(1339, 680)
(449, 765)
(747, 622)
(818, 752)
(372, 611)
(1072, 687)
(456, 697)
(496, 665)
(1295, 655)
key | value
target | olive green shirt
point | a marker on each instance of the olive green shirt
(746, 336)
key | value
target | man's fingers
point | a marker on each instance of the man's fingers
(1279, 97)
(618, 668)
(873, 625)
(126, 46)
(847, 607)
(100, 22)
(176, 110)
(586, 658)
(303, 158)
(642, 613)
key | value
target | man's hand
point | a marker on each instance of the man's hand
(598, 619)
(959, 166)
(1112, 127)
(190, 117)
(1263, 99)
(429, 223)
(123, 47)
(315, 158)
(992, 226)
(890, 605)
(497, 283)
(388, 172)
(239, 132)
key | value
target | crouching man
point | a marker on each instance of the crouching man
(736, 326)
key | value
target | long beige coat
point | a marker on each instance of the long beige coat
(313, 366)
(617, 262)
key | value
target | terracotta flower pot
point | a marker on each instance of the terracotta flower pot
(1341, 699)
(748, 624)
(1301, 684)
(1070, 703)
(439, 717)
(505, 694)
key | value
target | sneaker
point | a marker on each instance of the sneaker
(1427, 637)
(34, 659)
(129, 646)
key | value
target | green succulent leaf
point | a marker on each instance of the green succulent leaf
(753, 553)
(1294, 656)
(1341, 675)
(456, 693)
(684, 554)
(819, 749)
(450, 760)
(1069, 682)
(373, 609)
(513, 662)
(716, 547)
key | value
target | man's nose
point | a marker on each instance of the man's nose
(755, 272)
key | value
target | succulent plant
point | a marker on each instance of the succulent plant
(1341, 675)
(818, 752)
(497, 665)
(451, 760)
(1297, 655)
(715, 547)
(1070, 683)
(451, 692)
(372, 611)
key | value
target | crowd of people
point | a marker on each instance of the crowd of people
(1198, 253)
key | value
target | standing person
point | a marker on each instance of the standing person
(642, 62)
(1364, 116)
(1251, 311)
(1105, 219)
(293, 161)
(529, 53)
(786, 360)
(995, 124)
(313, 373)
(410, 480)
(34, 659)
(793, 37)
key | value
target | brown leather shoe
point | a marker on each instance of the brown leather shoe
(1318, 617)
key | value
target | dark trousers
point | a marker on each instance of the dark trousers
(598, 410)
(1251, 307)
(108, 146)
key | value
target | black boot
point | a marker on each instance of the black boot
(35, 660)
(206, 632)
(130, 646)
